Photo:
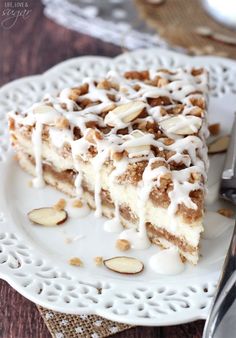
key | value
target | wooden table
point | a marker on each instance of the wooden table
(32, 46)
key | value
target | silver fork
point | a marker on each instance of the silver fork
(221, 321)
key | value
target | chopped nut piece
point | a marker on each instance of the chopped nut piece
(197, 111)
(11, 123)
(122, 244)
(117, 156)
(98, 260)
(76, 261)
(93, 135)
(60, 205)
(77, 91)
(62, 123)
(77, 204)
(214, 129)
(168, 141)
(226, 212)
(161, 82)
(200, 102)
(135, 75)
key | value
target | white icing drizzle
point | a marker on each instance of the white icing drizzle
(167, 262)
(38, 181)
(190, 150)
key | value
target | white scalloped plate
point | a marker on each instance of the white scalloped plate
(34, 260)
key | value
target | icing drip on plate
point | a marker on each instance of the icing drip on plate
(75, 212)
(167, 262)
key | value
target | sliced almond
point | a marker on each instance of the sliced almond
(124, 265)
(41, 109)
(47, 217)
(124, 113)
(46, 114)
(218, 146)
(139, 150)
(181, 125)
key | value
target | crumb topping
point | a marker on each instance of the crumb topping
(151, 125)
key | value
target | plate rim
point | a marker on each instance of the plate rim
(113, 62)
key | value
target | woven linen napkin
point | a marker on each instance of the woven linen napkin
(176, 22)
(79, 326)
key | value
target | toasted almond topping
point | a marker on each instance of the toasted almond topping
(139, 150)
(122, 245)
(117, 156)
(197, 111)
(62, 123)
(181, 125)
(124, 265)
(214, 129)
(168, 141)
(93, 136)
(77, 204)
(195, 177)
(124, 113)
(60, 205)
(44, 108)
(161, 82)
(226, 212)
(11, 123)
(218, 146)
(76, 261)
(47, 216)
(98, 260)
(108, 108)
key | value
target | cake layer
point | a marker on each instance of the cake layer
(132, 145)
(157, 232)
(188, 227)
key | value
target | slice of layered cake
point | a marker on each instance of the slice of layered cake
(131, 145)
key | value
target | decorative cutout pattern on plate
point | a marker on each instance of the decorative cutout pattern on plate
(35, 275)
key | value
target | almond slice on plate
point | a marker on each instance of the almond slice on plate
(181, 125)
(47, 217)
(124, 113)
(219, 145)
(124, 265)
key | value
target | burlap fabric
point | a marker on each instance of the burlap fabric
(79, 326)
(176, 22)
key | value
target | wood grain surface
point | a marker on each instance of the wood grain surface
(32, 46)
